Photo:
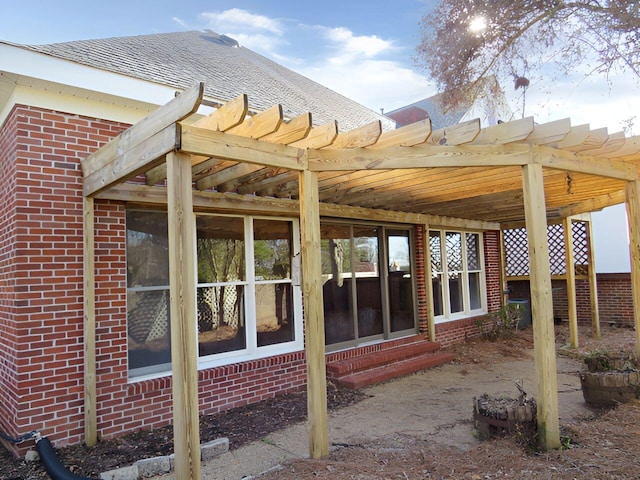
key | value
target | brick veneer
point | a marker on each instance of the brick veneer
(615, 303)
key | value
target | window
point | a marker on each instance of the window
(457, 275)
(248, 304)
(363, 299)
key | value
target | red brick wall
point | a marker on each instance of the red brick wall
(8, 327)
(41, 306)
(423, 307)
(615, 303)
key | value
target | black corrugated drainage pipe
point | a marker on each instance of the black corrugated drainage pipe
(48, 456)
(52, 463)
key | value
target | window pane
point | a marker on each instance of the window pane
(147, 249)
(272, 249)
(473, 251)
(454, 251)
(148, 332)
(337, 283)
(220, 249)
(436, 283)
(455, 292)
(474, 291)
(400, 282)
(368, 287)
(221, 326)
(274, 313)
(435, 248)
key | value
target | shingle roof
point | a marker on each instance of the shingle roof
(182, 58)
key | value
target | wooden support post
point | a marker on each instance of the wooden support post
(504, 295)
(541, 306)
(593, 283)
(182, 287)
(632, 192)
(314, 315)
(90, 413)
(567, 227)
(428, 280)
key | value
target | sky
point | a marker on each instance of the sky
(364, 50)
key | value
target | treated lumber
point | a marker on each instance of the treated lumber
(227, 175)
(358, 137)
(314, 316)
(632, 192)
(595, 138)
(583, 163)
(318, 137)
(541, 307)
(89, 330)
(457, 134)
(147, 154)
(614, 143)
(174, 111)
(418, 156)
(226, 116)
(628, 151)
(593, 282)
(291, 131)
(208, 143)
(550, 132)
(576, 136)
(506, 132)
(567, 226)
(260, 124)
(412, 134)
(184, 354)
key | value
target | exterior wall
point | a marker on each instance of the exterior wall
(41, 303)
(615, 302)
(9, 355)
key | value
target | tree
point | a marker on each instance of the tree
(464, 42)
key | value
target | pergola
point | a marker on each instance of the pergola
(462, 175)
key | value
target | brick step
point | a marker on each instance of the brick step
(417, 346)
(398, 369)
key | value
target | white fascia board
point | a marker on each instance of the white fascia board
(45, 67)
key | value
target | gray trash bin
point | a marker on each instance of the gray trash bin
(523, 304)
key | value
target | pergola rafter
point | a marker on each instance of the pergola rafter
(513, 172)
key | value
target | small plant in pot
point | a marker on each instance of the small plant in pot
(611, 378)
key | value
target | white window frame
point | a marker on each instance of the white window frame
(251, 351)
(466, 311)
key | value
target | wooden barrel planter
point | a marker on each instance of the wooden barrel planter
(604, 389)
(493, 416)
(610, 380)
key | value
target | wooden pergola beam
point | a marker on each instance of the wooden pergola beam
(583, 163)
(541, 306)
(137, 148)
(419, 156)
(209, 143)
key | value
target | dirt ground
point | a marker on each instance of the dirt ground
(419, 427)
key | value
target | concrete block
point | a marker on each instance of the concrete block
(214, 448)
(150, 467)
(124, 473)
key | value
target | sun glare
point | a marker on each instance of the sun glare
(478, 24)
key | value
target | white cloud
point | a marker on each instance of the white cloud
(350, 44)
(236, 19)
